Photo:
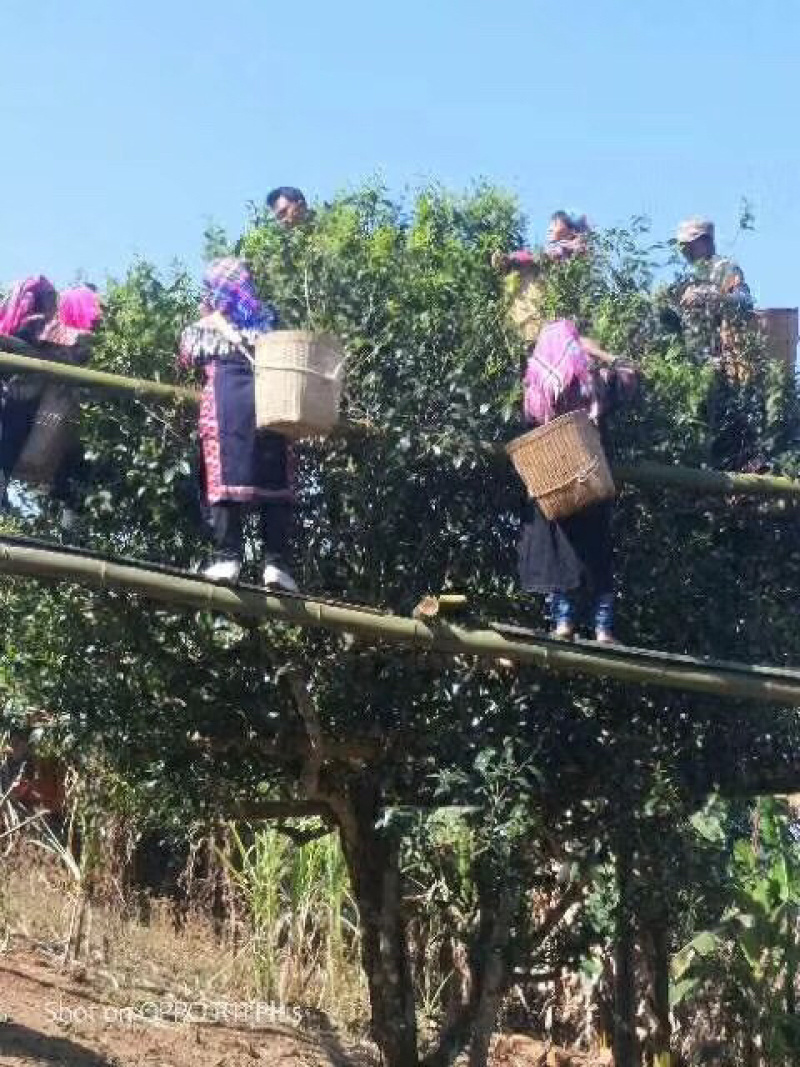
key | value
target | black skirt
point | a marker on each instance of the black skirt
(567, 554)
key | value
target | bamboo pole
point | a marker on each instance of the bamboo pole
(713, 678)
(705, 481)
(644, 475)
(85, 376)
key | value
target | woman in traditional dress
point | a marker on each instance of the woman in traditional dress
(30, 315)
(243, 469)
(566, 557)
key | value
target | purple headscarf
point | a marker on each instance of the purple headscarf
(558, 361)
(27, 298)
(79, 308)
(228, 288)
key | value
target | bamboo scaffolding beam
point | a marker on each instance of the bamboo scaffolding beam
(86, 377)
(644, 474)
(647, 473)
(711, 677)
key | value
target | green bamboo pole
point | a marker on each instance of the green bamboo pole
(714, 678)
(85, 376)
(645, 475)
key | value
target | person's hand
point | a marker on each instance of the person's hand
(694, 295)
(500, 261)
(628, 377)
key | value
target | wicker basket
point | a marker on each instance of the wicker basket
(53, 434)
(563, 465)
(298, 380)
(780, 329)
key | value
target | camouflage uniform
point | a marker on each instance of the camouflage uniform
(717, 328)
(724, 307)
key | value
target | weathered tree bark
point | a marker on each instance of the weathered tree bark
(474, 1023)
(626, 1053)
(659, 937)
(494, 972)
(476, 1019)
(372, 857)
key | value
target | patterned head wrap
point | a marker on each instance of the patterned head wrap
(228, 288)
(558, 360)
(34, 296)
(79, 308)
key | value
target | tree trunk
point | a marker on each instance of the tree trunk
(373, 863)
(494, 974)
(625, 1047)
(663, 1033)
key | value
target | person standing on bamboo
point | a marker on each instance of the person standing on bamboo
(714, 303)
(713, 311)
(244, 469)
(30, 315)
(719, 285)
(562, 558)
(565, 558)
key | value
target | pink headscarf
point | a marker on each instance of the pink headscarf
(79, 308)
(24, 300)
(557, 362)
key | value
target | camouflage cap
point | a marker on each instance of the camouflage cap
(691, 229)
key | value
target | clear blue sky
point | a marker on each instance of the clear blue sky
(127, 126)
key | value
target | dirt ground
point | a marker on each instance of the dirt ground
(49, 1018)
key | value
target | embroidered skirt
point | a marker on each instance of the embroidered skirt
(241, 464)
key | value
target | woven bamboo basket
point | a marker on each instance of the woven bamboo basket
(563, 465)
(298, 382)
(780, 329)
(53, 433)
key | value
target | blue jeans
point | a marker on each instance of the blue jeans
(562, 610)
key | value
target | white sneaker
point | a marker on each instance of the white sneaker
(224, 570)
(277, 578)
(69, 520)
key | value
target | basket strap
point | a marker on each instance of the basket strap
(230, 333)
(305, 370)
(588, 470)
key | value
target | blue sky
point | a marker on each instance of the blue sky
(128, 126)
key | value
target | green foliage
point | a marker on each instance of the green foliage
(749, 960)
(187, 706)
(302, 931)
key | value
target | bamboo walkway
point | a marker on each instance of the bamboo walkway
(181, 590)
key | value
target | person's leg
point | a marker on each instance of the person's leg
(226, 525)
(275, 522)
(17, 416)
(604, 617)
(563, 614)
(70, 485)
